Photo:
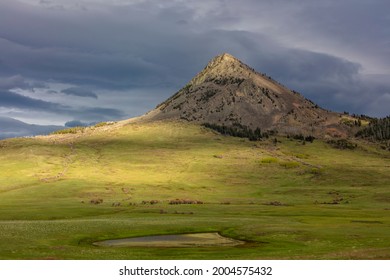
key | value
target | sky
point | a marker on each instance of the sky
(67, 61)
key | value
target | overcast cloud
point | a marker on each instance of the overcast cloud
(95, 60)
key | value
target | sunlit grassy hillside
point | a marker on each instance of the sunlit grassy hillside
(61, 193)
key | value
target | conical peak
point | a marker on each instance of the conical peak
(223, 65)
(226, 56)
(222, 58)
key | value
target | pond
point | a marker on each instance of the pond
(211, 239)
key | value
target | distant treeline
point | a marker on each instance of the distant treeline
(378, 129)
(238, 130)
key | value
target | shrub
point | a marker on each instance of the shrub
(274, 203)
(289, 164)
(342, 144)
(269, 160)
(315, 171)
(96, 201)
(151, 202)
(184, 201)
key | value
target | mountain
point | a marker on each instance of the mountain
(228, 92)
(10, 127)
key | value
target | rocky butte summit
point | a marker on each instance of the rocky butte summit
(229, 92)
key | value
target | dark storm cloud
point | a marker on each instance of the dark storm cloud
(77, 91)
(320, 49)
(113, 47)
(14, 100)
(19, 82)
(10, 99)
(99, 113)
(109, 71)
(355, 24)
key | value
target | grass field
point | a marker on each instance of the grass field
(60, 194)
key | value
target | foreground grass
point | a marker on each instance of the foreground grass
(289, 201)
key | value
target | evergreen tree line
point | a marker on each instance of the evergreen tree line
(378, 129)
(238, 130)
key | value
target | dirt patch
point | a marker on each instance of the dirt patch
(175, 240)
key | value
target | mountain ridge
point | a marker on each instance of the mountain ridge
(10, 128)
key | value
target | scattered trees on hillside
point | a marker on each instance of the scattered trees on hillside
(242, 131)
(378, 129)
(309, 138)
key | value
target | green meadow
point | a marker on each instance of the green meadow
(287, 200)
